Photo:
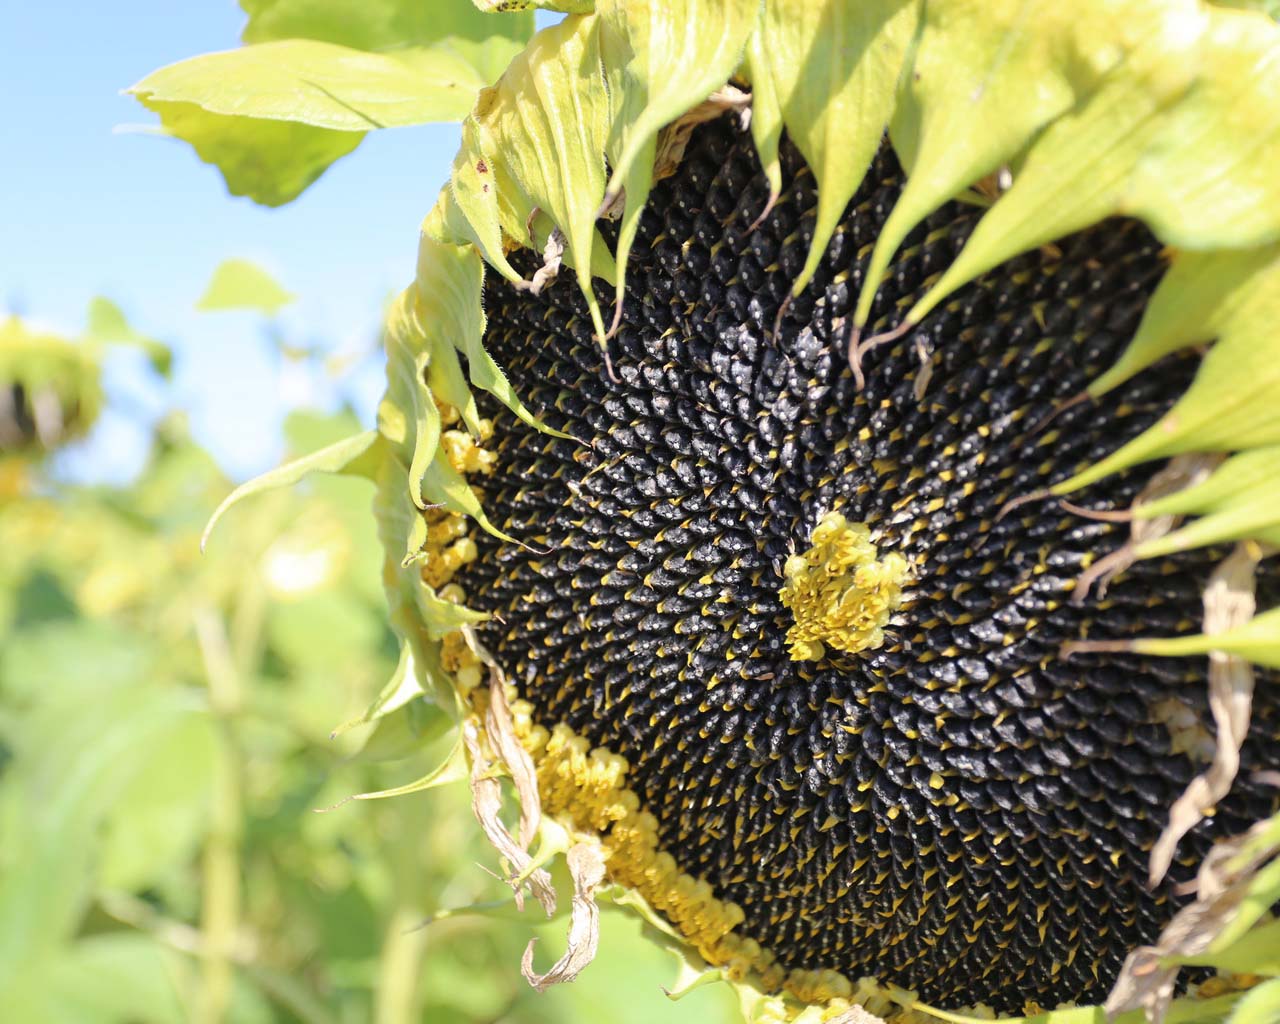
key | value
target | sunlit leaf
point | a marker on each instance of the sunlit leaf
(1151, 141)
(354, 455)
(108, 323)
(239, 284)
(834, 70)
(1261, 1006)
(545, 125)
(641, 44)
(452, 769)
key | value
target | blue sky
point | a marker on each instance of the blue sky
(87, 210)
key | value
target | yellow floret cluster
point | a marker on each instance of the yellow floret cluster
(450, 545)
(840, 591)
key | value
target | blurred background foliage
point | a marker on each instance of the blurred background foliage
(165, 748)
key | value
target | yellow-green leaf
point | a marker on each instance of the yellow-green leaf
(1259, 1006)
(1200, 297)
(642, 43)
(239, 284)
(1258, 640)
(1239, 500)
(388, 25)
(1255, 952)
(452, 769)
(987, 75)
(834, 68)
(319, 84)
(547, 119)
(270, 162)
(1184, 132)
(355, 456)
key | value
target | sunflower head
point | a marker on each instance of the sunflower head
(50, 391)
(829, 461)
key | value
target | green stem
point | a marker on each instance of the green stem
(398, 1000)
(220, 903)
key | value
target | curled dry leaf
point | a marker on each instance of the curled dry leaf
(856, 1015)
(486, 802)
(552, 260)
(1147, 979)
(586, 868)
(511, 754)
(1228, 602)
(675, 137)
(1181, 472)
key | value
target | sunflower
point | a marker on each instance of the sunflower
(830, 461)
(50, 394)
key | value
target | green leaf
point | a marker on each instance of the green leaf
(640, 44)
(1260, 1006)
(270, 162)
(1239, 500)
(1258, 640)
(354, 455)
(320, 84)
(1151, 141)
(239, 284)
(381, 25)
(273, 116)
(402, 687)
(418, 614)
(107, 323)
(1256, 952)
(983, 82)
(1201, 296)
(543, 128)
(834, 68)
(452, 769)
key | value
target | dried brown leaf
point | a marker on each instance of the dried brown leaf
(856, 1015)
(586, 868)
(1147, 979)
(1179, 473)
(1228, 602)
(486, 802)
(674, 138)
(511, 754)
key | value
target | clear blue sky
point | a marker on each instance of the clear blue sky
(86, 210)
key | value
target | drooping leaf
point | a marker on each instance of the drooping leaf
(641, 43)
(1151, 141)
(402, 687)
(987, 75)
(239, 284)
(1203, 296)
(1240, 499)
(545, 126)
(417, 612)
(1258, 640)
(354, 455)
(452, 769)
(834, 68)
(107, 323)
